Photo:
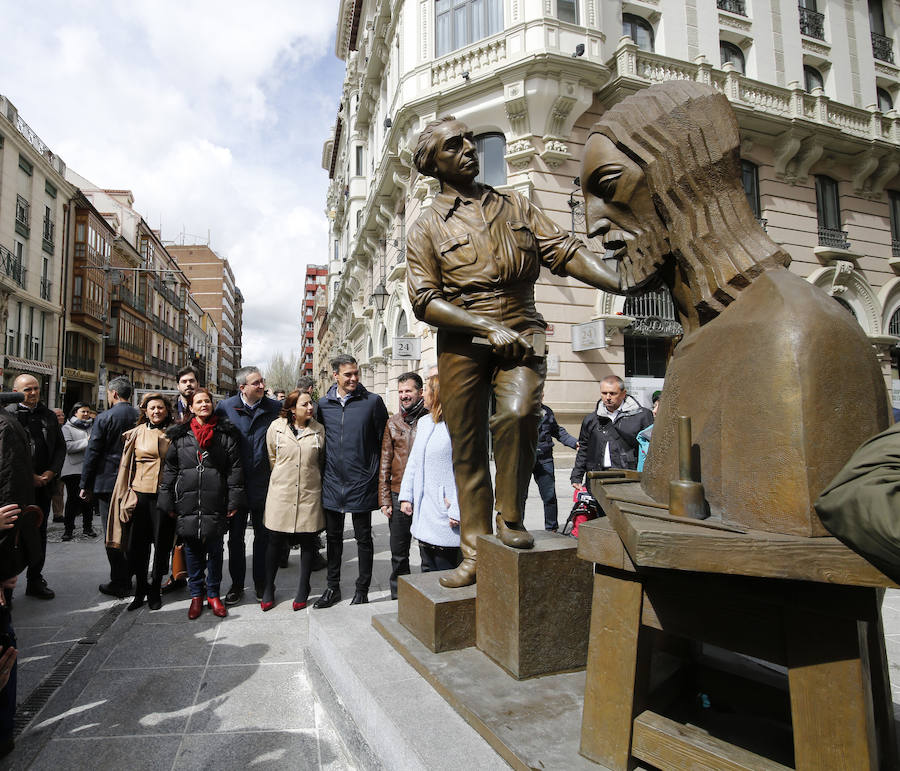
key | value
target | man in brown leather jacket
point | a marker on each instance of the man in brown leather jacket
(473, 258)
(399, 434)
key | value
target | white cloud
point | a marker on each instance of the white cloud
(212, 113)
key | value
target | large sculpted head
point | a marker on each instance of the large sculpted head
(662, 187)
(445, 150)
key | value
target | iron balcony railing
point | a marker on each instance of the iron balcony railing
(882, 47)
(836, 239)
(895, 248)
(12, 266)
(812, 23)
(84, 363)
(732, 6)
(46, 286)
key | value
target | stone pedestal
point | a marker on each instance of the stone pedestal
(441, 619)
(534, 605)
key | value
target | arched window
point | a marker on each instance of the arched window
(491, 149)
(894, 325)
(885, 102)
(639, 30)
(402, 325)
(729, 52)
(812, 78)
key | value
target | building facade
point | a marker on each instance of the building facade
(316, 276)
(813, 87)
(34, 231)
(214, 289)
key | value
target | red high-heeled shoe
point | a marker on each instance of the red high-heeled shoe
(299, 605)
(217, 607)
(196, 608)
(266, 606)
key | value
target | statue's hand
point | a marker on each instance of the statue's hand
(509, 344)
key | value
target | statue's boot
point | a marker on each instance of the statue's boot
(463, 575)
(514, 534)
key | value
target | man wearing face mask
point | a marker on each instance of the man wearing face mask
(473, 258)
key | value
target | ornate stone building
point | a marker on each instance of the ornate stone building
(813, 87)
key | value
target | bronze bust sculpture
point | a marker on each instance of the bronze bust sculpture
(764, 350)
(473, 258)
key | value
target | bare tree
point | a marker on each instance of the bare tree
(282, 373)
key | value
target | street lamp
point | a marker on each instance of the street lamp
(380, 297)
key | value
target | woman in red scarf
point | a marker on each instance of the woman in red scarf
(203, 486)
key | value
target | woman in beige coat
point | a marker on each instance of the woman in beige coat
(296, 445)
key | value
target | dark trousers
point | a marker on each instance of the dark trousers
(204, 556)
(42, 499)
(8, 694)
(545, 477)
(399, 525)
(365, 548)
(149, 527)
(277, 544)
(477, 374)
(76, 506)
(439, 557)
(237, 550)
(119, 574)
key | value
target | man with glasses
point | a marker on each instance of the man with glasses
(252, 412)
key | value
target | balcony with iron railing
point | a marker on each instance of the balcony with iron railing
(882, 48)
(84, 363)
(46, 287)
(835, 239)
(733, 6)
(49, 228)
(12, 266)
(23, 212)
(812, 23)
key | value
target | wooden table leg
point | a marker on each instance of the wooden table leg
(830, 690)
(882, 700)
(616, 671)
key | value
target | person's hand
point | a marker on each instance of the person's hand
(576, 485)
(231, 513)
(387, 511)
(39, 480)
(47, 476)
(454, 522)
(85, 495)
(8, 515)
(9, 583)
(6, 665)
(509, 344)
(406, 507)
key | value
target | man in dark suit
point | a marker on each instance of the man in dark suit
(101, 465)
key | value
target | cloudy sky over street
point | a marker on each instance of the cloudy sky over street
(212, 112)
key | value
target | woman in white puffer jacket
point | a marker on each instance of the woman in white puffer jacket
(428, 490)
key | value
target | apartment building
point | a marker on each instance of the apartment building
(214, 289)
(316, 277)
(813, 85)
(34, 230)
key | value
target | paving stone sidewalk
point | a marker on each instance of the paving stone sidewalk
(151, 690)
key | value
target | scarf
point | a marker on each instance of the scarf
(414, 411)
(204, 431)
(83, 424)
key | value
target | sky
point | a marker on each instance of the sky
(212, 112)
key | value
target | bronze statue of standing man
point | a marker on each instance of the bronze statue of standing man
(473, 259)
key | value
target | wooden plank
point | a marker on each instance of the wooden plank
(664, 743)
(831, 699)
(627, 507)
(598, 542)
(615, 679)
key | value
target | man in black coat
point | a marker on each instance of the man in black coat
(48, 453)
(608, 437)
(101, 465)
(544, 471)
(354, 421)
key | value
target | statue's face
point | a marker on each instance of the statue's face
(455, 161)
(620, 211)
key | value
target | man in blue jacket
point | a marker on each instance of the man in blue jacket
(354, 421)
(101, 466)
(252, 412)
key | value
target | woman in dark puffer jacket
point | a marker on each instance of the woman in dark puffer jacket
(203, 486)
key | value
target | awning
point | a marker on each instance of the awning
(29, 365)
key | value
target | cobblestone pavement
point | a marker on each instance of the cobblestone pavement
(103, 687)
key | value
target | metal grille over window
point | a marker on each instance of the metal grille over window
(653, 313)
(812, 23)
(732, 6)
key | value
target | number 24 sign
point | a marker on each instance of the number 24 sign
(407, 348)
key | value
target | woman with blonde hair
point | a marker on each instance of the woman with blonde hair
(135, 524)
(428, 490)
(294, 512)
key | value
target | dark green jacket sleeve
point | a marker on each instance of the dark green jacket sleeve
(861, 506)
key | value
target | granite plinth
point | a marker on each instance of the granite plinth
(534, 605)
(442, 619)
